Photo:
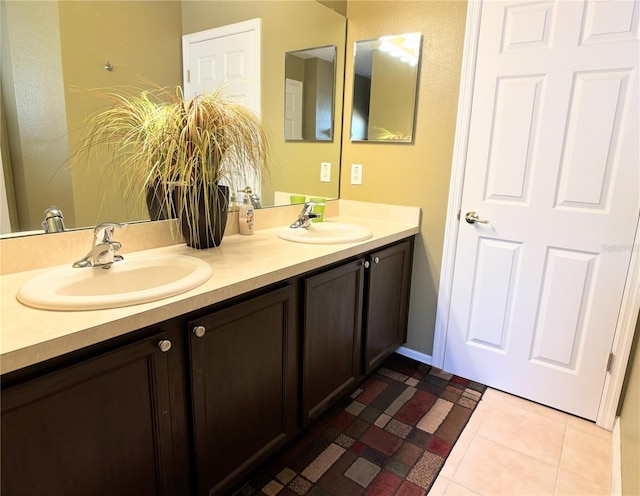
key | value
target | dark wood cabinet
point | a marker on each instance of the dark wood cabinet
(194, 404)
(332, 327)
(101, 427)
(244, 366)
(388, 283)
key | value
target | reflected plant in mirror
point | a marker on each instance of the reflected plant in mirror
(385, 88)
(309, 94)
(49, 48)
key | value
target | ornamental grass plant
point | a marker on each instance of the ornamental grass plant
(180, 149)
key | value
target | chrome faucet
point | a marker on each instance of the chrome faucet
(53, 220)
(304, 219)
(103, 251)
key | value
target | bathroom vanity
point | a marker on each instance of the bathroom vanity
(190, 394)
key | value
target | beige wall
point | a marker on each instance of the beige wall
(32, 91)
(143, 41)
(413, 174)
(295, 167)
(630, 423)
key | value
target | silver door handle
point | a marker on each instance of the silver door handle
(472, 218)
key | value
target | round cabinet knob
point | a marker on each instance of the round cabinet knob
(376, 260)
(164, 345)
(199, 331)
(366, 264)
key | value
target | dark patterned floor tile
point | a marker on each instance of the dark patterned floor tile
(358, 447)
(454, 388)
(460, 380)
(330, 433)
(476, 386)
(311, 453)
(419, 438)
(381, 440)
(437, 381)
(370, 414)
(398, 428)
(452, 426)
(392, 458)
(334, 481)
(341, 420)
(374, 456)
(416, 407)
(371, 389)
(429, 388)
(316, 491)
(385, 484)
(408, 454)
(300, 485)
(439, 446)
(397, 467)
(362, 472)
(424, 472)
(388, 396)
(409, 489)
(301, 445)
(287, 492)
(449, 396)
(357, 428)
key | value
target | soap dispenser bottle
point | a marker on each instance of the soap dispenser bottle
(245, 215)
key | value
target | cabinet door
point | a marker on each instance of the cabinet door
(244, 386)
(387, 302)
(332, 327)
(101, 427)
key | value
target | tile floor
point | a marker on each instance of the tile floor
(515, 447)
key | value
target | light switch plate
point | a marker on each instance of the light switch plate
(356, 173)
(325, 172)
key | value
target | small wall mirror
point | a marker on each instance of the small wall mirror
(385, 87)
(309, 94)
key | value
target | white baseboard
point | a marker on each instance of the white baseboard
(616, 461)
(415, 355)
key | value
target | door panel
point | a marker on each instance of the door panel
(226, 59)
(225, 62)
(552, 164)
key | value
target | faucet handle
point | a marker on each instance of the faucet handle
(103, 233)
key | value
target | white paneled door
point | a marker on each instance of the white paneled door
(226, 59)
(553, 169)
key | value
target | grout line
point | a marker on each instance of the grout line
(562, 453)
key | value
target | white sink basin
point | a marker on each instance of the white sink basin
(136, 279)
(326, 233)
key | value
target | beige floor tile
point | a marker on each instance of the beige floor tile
(512, 401)
(527, 431)
(491, 468)
(570, 484)
(587, 454)
(457, 453)
(439, 486)
(588, 427)
(455, 489)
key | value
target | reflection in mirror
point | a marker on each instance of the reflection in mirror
(309, 94)
(385, 87)
(49, 48)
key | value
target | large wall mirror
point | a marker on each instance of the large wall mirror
(385, 88)
(309, 94)
(50, 49)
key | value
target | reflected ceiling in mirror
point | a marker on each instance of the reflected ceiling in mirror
(309, 94)
(385, 88)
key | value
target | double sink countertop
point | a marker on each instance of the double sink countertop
(239, 265)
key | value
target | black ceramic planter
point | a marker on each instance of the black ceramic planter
(157, 201)
(204, 216)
